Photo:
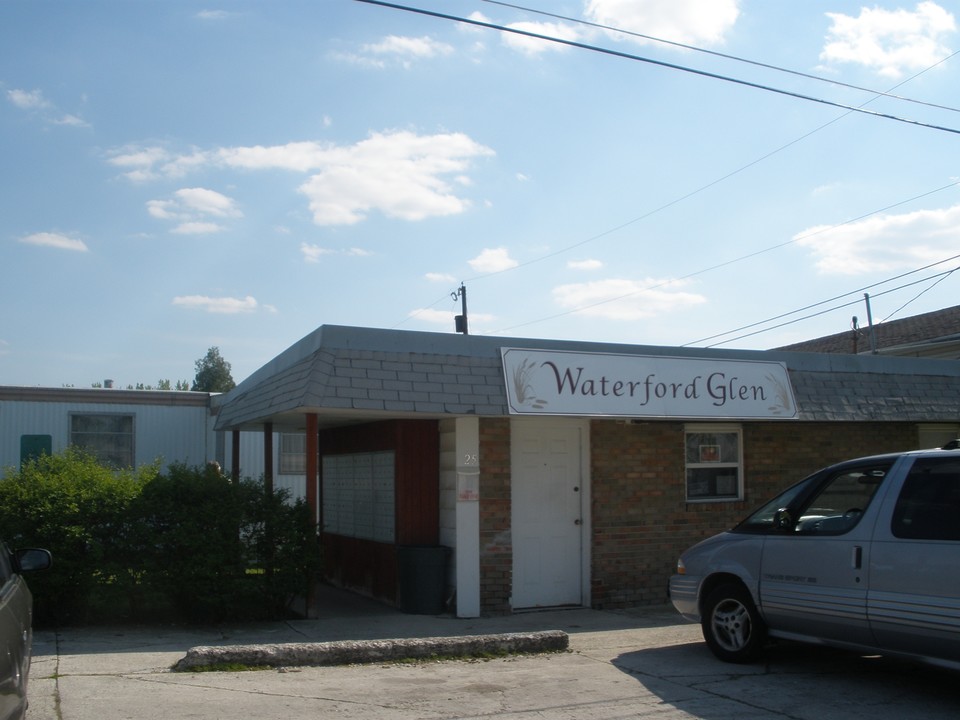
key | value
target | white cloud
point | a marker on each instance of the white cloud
(891, 42)
(219, 305)
(28, 99)
(400, 174)
(72, 121)
(694, 22)
(884, 243)
(196, 227)
(492, 260)
(139, 163)
(55, 240)
(213, 14)
(409, 47)
(191, 208)
(620, 299)
(584, 264)
(440, 278)
(398, 49)
(312, 253)
(151, 163)
(207, 202)
(534, 46)
(34, 101)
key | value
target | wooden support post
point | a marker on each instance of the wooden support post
(268, 457)
(235, 457)
(313, 466)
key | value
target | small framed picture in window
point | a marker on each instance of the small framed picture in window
(709, 453)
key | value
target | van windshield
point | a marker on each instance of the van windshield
(829, 502)
(761, 520)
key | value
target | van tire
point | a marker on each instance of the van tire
(731, 624)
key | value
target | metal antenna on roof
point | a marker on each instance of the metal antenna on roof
(871, 332)
(460, 321)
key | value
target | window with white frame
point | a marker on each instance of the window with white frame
(714, 463)
(293, 454)
(106, 436)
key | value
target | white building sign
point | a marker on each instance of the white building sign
(546, 382)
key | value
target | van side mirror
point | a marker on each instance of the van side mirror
(782, 519)
(32, 559)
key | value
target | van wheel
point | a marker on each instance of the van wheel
(731, 623)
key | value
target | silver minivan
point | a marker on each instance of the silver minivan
(862, 555)
(16, 627)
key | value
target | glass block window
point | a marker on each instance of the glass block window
(358, 495)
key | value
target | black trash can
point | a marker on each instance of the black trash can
(422, 578)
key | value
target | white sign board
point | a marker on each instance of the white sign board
(546, 382)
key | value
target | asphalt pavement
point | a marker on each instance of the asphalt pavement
(641, 663)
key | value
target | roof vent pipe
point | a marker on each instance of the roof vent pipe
(870, 331)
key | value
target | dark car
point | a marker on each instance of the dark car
(16, 626)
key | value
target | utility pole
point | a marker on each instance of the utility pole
(872, 334)
(460, 321)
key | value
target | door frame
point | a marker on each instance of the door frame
(586, 519)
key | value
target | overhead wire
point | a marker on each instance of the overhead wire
(849, 109)
(920, 294)
(659, 63)
(733, 261)
(942, 276)
(726, 56)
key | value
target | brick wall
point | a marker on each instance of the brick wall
(496, 550)
(641, 520)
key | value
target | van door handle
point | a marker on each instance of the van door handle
(857, 557)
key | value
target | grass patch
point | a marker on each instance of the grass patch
(225, 667)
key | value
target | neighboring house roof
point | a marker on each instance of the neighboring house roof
(359, 374)
(104, 396)
(934, 334)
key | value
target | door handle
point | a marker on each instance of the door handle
(857, 557)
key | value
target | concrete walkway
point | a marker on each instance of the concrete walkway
(645, 663)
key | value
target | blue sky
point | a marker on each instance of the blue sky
(181, 175)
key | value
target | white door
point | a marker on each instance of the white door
(547, 513)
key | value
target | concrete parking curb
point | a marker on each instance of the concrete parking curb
(347, 652)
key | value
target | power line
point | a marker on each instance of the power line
(918, 295)
(689, 194)
(661, 63)
(726, 56)
(942, 276)
(858, 291)
(735, 260)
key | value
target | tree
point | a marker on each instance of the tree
(213, 373)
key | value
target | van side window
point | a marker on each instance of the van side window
(929, 504)
(839, 504)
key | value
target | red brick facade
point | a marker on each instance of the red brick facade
(640, 518)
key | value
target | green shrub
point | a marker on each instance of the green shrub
(74, 507)
(187, 545)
